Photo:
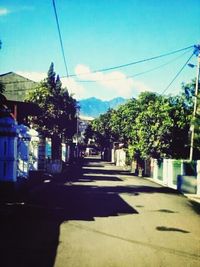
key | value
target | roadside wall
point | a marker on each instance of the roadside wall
(181, 175)
(178, 174)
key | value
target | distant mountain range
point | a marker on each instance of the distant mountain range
(93, 107)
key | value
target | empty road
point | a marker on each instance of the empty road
(100, 216)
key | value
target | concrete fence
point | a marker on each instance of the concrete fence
(120, 156)
(182, 175)
(178, 174)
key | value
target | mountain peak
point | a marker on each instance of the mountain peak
(94, 107)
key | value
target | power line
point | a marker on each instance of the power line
(60, 37)
(137, 74)
(128, 64)
(158, 67)
(177, 74)
(133, 63)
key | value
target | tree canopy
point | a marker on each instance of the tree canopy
(58, 108)
(152, 125)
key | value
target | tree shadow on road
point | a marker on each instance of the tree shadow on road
(30, 231)
(107, 172)
(195, 206)
(29, 236)
(89, 178)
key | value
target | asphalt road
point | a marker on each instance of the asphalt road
(100, 216)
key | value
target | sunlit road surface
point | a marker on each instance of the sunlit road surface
(99, 216)
(126, 221)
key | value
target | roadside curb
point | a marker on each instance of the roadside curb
(193, 197)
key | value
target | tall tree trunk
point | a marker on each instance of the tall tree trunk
(56, 147)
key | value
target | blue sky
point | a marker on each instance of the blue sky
(98, 34)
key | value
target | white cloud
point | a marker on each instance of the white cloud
(84, 73)
(116, 83)
(74, 88)
(101, 85)
(4, 11)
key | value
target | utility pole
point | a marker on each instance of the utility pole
(197, 52)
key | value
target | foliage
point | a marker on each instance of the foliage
(102, 129)
(153, 123)
(89, 133)
(2, 89)
(58, 108)
(123, 122)
(195, 120)
(150, 126)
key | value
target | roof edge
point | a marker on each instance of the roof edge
(12, 72)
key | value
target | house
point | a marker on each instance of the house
(16, 86)
(15, 133)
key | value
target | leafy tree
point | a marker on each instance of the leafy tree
(150, 126)
(89, 134)
(162, 126)
(116, 125)
(189, 99)
(102, 129)
(153, 125)
(123, 121)
(2, 89)
(58, 116)
(180, 115)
